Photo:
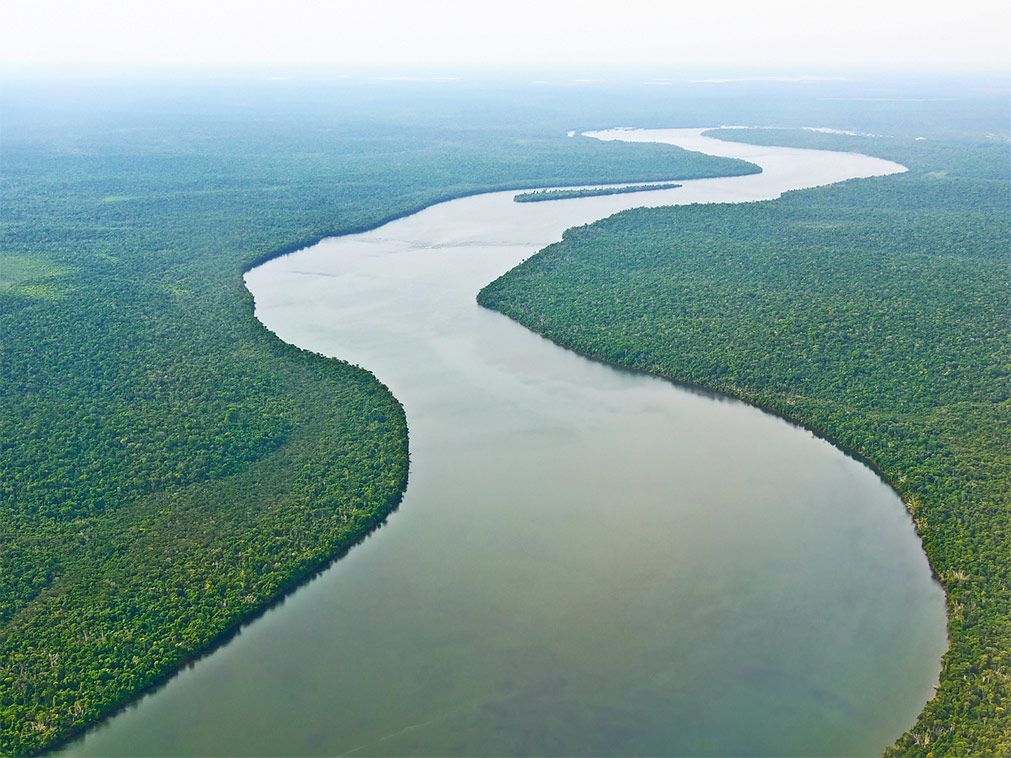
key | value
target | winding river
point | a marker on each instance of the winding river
(586, 561)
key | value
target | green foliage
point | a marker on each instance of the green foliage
(14, 269)
(168, 467)
(875, 311)
(541, 195)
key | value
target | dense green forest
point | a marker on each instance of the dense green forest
(168, 467)
(874, 311)
(562, 194)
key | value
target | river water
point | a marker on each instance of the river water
(586, 560)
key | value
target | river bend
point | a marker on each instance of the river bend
(586, 560)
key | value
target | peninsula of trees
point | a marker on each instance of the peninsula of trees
(874, 311)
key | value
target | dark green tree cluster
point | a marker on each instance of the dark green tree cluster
(563, 194)
(874, 311)
(168, 467)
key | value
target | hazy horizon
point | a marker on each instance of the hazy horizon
(787, 36)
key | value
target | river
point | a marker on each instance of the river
(586, 560)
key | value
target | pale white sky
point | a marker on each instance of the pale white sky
(451, 33)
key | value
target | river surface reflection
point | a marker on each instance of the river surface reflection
(586, 561)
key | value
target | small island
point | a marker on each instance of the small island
(565, 194)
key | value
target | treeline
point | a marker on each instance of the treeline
(561, 194)
(167, 466)
(875, 311)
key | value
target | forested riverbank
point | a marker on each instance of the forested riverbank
(874, 311)
(168, 467)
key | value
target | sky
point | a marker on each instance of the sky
(455, 34)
